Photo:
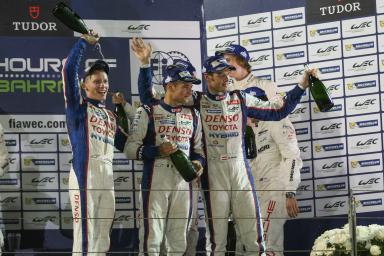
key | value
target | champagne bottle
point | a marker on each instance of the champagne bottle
(320, 94)
(182, 164)
(250, 144)
(71, 19)
(122, 119)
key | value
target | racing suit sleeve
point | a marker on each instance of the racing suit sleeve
(130, 111)
(274, 110)
(197, 151)
(4, 158)
(71, 83)
(139, 146)
(284, 135)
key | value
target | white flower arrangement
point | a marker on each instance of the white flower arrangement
(336, 242)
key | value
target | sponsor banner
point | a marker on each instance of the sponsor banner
(364, 143)
(381, 62)
(335, 186)
(330, 128)
(360, 65)
(40, 201)
(124, 219)
(306, 170)
(303, 131)
(287, 88)
(301, 113)
(361, 85)
(257, 41)
(266, 74)
(138, 165)
(166, 51)
(366, 183)
(330, 167)
(305, 190)
(10, 220)
(14, 162)
(121, 163)
(64, 143)
(329, 147)
(10, 182)
(336, 111)
(289, 36)
(12, 142)
(358, 27)
(379, 6)
(30, 18)
(331, 206)
(329, 69)
(380, 23)
(261, 59)
(306, 209)
(359, 164)
(40, 181)
(39, 162)
(359, 46)
(364, 104)
(221, 27)
(288, 17)
(369, 202)
(123, 180)
(33, 123)
(66, 220)
(290, 56)
(10, 201)
(255, 22)
(380, 39)
(324, 51)
(38, 142)
(328, 10)
(65, 160)
(324, 32)
(123, 200)
(305, 150)
(41, 220)
(216, 44)
(145, 28)
(65, 202)
(64, 181)
(289, 75)
(363, 124)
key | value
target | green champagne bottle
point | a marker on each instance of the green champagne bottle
(182, 164)
(122, 119)
(250, 144)
(68, 17)
(320, 94)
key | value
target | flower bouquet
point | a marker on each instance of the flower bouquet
(336, 242)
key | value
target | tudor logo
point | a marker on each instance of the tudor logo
(347, 8)
(34, 12)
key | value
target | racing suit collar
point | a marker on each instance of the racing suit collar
(169, 108)
(216, 97)
(97, 103)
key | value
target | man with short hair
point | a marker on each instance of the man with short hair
(4, 167)
(91, 130)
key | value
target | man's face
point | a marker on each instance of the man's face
(96, 86)
(180, 91)
(217, 82)
(233, 61)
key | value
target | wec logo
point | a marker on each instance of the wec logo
(366, 63)
(337, 204)
(333, 165)
(257, 21)
(43, 180)
(366, 143)
(41, 142)
(138, 28)
(365, 103)
(121, 179)
(299, 111)
(369, 182)
(44, 219)
(294, 73)
(295, 34)
(331, 127)
(328, 49)
(365, 24)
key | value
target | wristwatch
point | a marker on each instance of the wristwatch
(290, 195)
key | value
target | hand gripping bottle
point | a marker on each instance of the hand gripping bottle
(71, 19)
(182, 164)
(250, 144)
(319, 93)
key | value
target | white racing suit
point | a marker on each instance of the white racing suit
(166, 198)
(277, 171)
(227, 181)
(4, 167)
(91, 129)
